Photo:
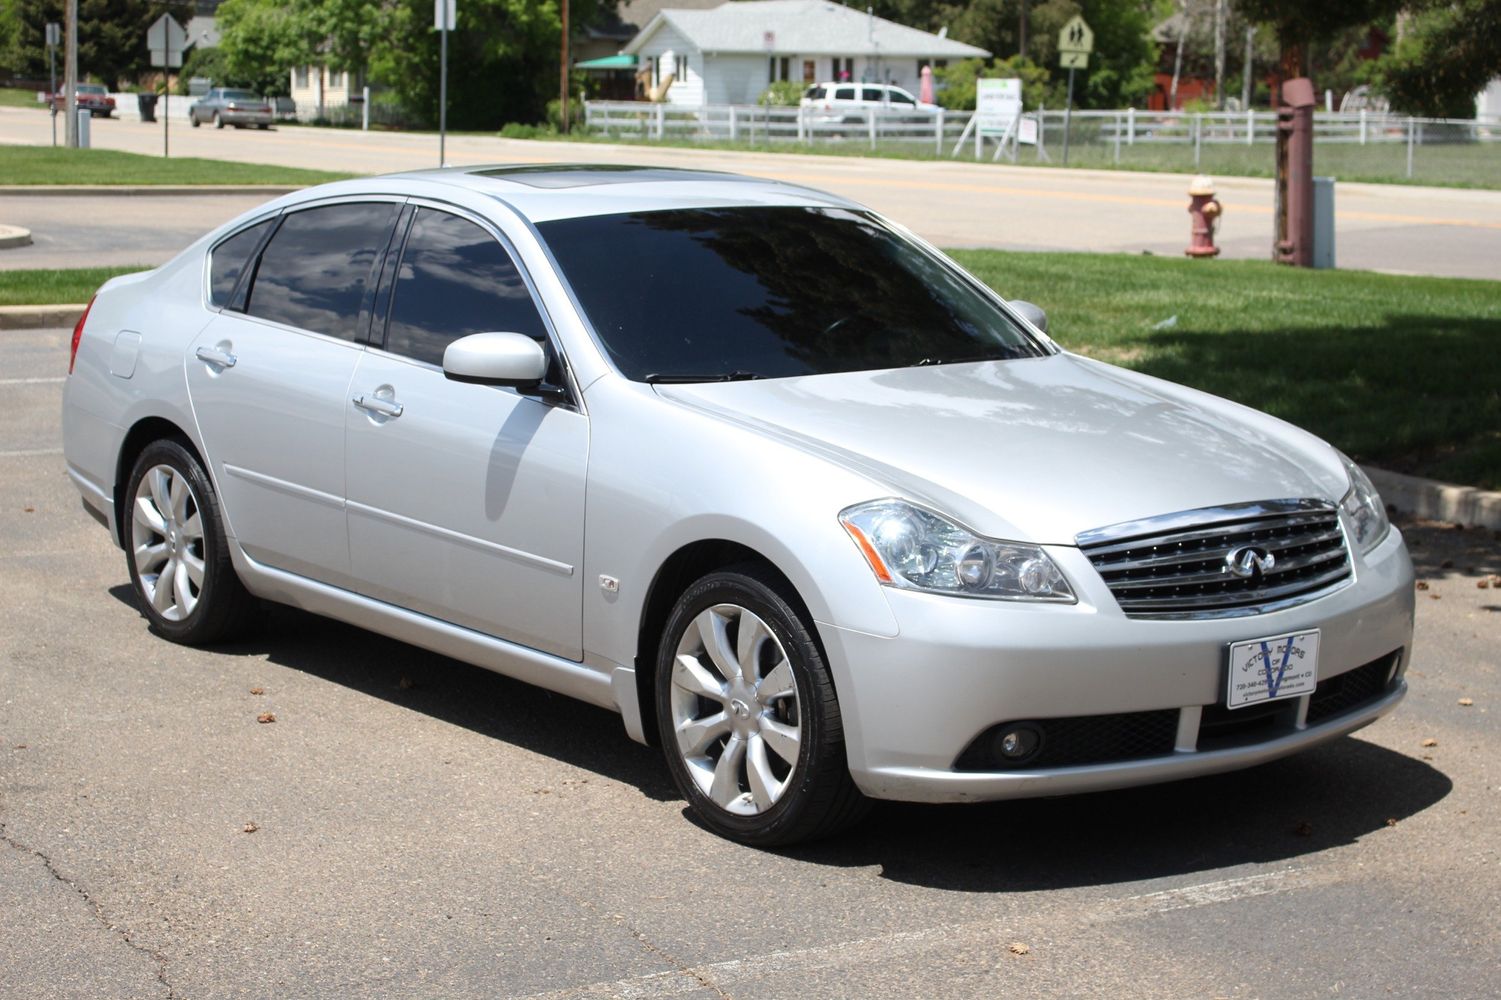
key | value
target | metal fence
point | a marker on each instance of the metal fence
(1354, 145)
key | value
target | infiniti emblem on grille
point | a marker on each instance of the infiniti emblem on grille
(1248, 560)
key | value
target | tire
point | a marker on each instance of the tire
(218, 122)
(190, 531)
(194, 119)
(764, 768)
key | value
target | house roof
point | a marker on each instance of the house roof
(801, 27)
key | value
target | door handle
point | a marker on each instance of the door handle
(217, 357)
(375, 404)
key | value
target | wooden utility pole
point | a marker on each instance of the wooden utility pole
(1219, 53)
(1021, 31)
(1248, 70)
(70, 74)
(564, 70)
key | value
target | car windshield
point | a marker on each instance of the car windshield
(766, 292)
(91, 88)
(241, 95)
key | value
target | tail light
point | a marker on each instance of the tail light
(78, 334)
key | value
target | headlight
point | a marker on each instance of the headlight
(1363, 506)
(915, 549)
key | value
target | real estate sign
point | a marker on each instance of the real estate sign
(998, 103)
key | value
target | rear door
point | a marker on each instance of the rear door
(269, 379)
(466, 502)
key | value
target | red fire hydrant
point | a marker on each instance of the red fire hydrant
(1204, 211)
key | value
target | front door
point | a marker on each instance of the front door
(465, 502)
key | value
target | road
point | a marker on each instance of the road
(1418, 230)
(424, 828)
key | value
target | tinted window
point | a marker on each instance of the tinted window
(871, 94)
(240, 95)
(844, 93)
(772, 292)
(814, 93)
(229, 259)
(900, 97)
(455, 279)
(315, 270)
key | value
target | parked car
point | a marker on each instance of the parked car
(91, 97)
(225, 106)
(850, 103)
(808, 505)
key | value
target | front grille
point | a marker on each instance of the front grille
(1352, 689)
(1177, 566)
(1083, 739)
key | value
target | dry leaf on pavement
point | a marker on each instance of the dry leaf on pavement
(265, 717)
(1430, 742)
(1017, 948)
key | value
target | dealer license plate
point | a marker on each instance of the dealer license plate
(1279, 666)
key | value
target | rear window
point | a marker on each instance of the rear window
(228, 261)
(705, 294)
(871, 94)
(241, 95)
(815, 93)
(91, 88)
(314, 272)
(844, 94)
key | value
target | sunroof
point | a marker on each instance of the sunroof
(570, 175)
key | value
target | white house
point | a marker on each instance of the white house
(730, 54)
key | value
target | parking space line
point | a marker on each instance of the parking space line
(49, 380)
(30, 452)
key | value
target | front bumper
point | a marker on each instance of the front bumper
(914, 704)
(245, 117)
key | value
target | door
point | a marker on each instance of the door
(465, 502)
(270, 384)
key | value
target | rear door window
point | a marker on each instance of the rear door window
(228, 261)
(455, 279)
(814, 93)
(871, 94)
(844, 93)
(314, 273)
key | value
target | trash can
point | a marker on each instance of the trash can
(147, 103)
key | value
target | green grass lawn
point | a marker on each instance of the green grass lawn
(1400, 372)
(54, 286)
(59, 165)
(16, 97)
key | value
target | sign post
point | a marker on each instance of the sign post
(166, 39)
(444, 12)
(1075, 43)
(54, 36)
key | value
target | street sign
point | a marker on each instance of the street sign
(1073, 60)
(167, 60)
(54, 34)
(445, 7)
(165, 34)
(1076, 36)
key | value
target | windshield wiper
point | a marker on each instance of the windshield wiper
(958, 361)
(658, 378)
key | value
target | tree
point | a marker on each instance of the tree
(1299, 24)
(1445, 57)
(111, 37)
(958, 82)
(262, 41)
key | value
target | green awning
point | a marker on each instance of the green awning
(608, 62)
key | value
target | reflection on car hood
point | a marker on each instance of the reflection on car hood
(1037, 449)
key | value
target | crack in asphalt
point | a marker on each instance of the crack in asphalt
(94, 907)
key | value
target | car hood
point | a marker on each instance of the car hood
(1038, 449)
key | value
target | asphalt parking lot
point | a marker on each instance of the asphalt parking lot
(411, 826)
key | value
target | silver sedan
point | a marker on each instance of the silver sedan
(810, 507)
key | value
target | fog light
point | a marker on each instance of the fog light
(1017, 743)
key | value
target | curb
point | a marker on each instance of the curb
(142, 190)
(39, 317)
(1438, 501)
(1427, 498)
(14, 236)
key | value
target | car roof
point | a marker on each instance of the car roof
(544, 192)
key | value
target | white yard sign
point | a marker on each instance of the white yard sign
(998, 103)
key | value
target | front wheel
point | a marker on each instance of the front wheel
(195, 121)
(748, 716)
(218, 122)
(176, 550)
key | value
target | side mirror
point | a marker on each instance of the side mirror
(1031, 313)
(512, 359)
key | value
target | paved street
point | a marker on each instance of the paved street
(424, 828)
(1388, 227)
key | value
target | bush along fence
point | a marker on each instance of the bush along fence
(1354, 145)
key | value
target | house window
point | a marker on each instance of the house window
(844, 69)
(810, 71)
(679, 69)
(301, 76)
(781, 68)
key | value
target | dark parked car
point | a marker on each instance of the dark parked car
(224, 106)
(92, 97)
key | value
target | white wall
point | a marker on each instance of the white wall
(686, 91)
(735, 79)
(1488, 103)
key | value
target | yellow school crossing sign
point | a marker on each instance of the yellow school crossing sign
(1076, 36)
(1075, 43)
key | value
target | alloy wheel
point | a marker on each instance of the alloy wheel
(735, 710)
(167, 542)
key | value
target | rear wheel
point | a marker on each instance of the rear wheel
(218, 122)
(748, 716)
(195, 121)
(176, 551)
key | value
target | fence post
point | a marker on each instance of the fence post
(938, 133)
(870, 122)
(661, 123)
(1362, 126)
(1410, 134)
(1131, 126)
(802, 133)
(1250, 127)
(734, 131)
(1198, 135)
(1117, 140)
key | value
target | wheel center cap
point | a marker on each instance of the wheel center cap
(740, 708)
